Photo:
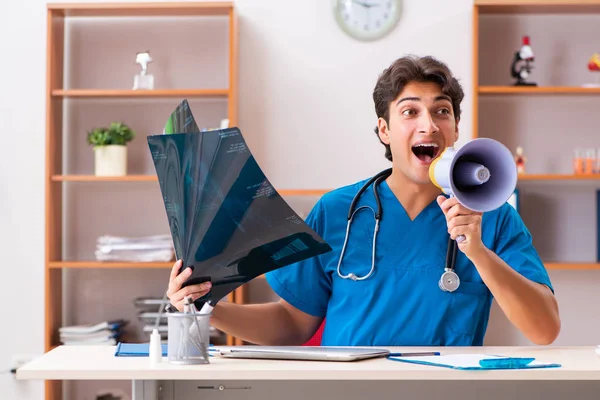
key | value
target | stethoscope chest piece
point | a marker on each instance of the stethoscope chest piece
(449, 281)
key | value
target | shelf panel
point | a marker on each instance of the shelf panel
(537, 6)
(567, 265)
(152, 178)
(296, 192)
(538, 90)
(93, 178)
(114, 93)
(141, 9)
(302, 192)
(106, 264)
(557, 177)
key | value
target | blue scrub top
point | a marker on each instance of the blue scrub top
(400, 304)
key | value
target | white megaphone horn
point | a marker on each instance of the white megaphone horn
(482, 174)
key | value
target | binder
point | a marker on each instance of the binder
(476, 362)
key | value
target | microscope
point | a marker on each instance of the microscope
(523, 64)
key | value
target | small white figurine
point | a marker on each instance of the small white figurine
(520, 160)
(143, 80)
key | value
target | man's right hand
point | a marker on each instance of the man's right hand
(176, 294)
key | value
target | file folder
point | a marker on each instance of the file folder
(476, 362)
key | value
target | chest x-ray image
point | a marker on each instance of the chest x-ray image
(226, 219)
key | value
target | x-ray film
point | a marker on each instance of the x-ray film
(181, 120)
(227, 221)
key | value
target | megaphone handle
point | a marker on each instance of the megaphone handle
(460, 238)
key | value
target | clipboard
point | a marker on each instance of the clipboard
(136, 350)
(476, 362)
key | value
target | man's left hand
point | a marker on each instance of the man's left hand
(462, 221)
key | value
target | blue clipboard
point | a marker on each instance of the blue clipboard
(140, 349)
(136, 350)
(476, 362)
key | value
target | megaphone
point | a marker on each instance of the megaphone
(482, 174)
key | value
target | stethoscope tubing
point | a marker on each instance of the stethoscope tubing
(449, 280)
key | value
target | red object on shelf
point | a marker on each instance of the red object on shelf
(594, 62)
(317, 337)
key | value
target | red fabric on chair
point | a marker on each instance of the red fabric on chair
(317, 337)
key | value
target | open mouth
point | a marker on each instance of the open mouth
(426, 152)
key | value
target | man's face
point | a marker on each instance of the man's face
(421, 125)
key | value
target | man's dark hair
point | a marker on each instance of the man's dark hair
(413, 69)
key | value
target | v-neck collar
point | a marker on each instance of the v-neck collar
(385, 192)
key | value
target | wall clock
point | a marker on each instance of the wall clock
(367, 19)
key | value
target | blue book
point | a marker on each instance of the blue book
(513, 200)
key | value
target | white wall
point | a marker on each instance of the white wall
(298, 102)
(22, 80)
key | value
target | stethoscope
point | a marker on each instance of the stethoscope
(449, 280)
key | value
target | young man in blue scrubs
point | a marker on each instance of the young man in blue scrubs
(417, 101)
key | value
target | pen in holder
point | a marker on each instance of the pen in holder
(188, 336)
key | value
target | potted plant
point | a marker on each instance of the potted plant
(110, 148)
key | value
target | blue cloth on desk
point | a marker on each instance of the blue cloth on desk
(136, 350)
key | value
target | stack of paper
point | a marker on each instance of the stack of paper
(149, 315)
(135, 249)
(103, 333)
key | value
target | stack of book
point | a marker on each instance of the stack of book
(155, 248)
(103, 333)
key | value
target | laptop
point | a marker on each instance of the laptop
(308, 353)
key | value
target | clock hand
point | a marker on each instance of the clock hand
(360, 3)
(367, 5)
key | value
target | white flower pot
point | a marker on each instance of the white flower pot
(110, 160)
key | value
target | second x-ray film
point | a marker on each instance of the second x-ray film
(227, 221)
(181, 120)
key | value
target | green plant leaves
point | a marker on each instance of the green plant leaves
(117, 133)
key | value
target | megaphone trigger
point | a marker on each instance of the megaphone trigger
(460, 238)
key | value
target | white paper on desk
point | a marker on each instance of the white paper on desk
(461, 361)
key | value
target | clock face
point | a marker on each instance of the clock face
(367, 19)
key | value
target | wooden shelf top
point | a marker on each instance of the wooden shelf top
(557, 177)
(537, 6)
(300, 192)
(140, 93)
(93, 178)
(153, 178)
(538, 90)
(148, 9)
(571, 265)
(106, 264)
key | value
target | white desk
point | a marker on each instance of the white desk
(180, 382)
